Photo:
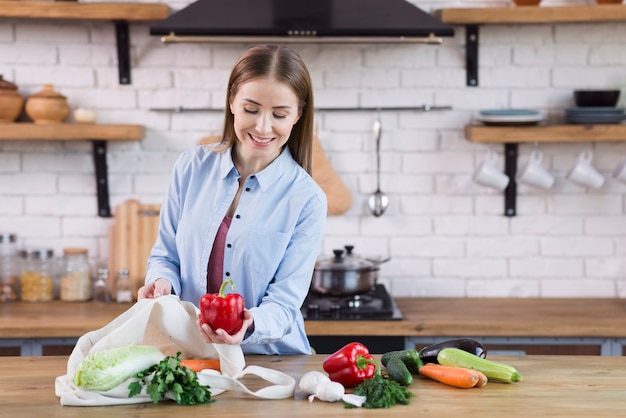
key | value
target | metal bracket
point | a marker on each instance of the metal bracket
(102, 180)
(123, 50)
(510, 169)
(471, 55)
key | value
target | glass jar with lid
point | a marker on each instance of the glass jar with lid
(75, 284)
(38, 278)
(9, 268)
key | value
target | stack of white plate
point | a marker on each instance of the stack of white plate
(590, 115)
(509, 117)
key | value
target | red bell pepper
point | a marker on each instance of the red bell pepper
(225, 312)
(350, 365)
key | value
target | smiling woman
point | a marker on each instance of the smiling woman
(246, 209)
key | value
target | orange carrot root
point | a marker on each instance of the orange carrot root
(459, 377)
(482, 379)
(200, 364)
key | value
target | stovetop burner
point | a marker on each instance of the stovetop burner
(374, 305)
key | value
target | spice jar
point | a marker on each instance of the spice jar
(38, 275)
(123, 289)
(9, 268)
(75, 283)
(100, 288)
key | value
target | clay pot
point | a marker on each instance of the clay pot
(11, 101)
(47, 106)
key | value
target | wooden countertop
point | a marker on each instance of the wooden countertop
(555, 386)
(504, 317)
(422, 317)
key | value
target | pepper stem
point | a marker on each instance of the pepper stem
(362, 362)
(223, 286)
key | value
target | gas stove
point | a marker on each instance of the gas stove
(375, 305)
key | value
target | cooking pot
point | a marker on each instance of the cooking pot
(345, 274)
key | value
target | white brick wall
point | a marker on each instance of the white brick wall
(446, 235)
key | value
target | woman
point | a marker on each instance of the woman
(247, 208)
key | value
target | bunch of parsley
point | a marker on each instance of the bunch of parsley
(169, 375)
(381, 392)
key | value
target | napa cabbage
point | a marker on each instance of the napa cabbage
(103, 370)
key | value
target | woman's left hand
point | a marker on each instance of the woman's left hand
(219, 336)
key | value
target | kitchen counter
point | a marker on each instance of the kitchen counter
(556, 386)
(597, 320)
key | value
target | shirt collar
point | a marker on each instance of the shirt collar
(275, 170)
(268, 176)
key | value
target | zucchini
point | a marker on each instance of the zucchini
(429, 354)
(398, 372)
(410, 358)
(493, 370)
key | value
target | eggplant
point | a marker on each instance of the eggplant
(429, 354)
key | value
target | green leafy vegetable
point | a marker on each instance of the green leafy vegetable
(381, 392)
(170, 375)
(103, 370)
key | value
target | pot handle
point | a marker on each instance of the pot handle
(379, 260)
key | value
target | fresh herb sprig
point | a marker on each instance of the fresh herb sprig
(168, 375)
(381, 392)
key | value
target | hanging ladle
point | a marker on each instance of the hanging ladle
(378, 201)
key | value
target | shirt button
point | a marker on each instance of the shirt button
(252, 176)
(228, 245)
(227, 274)
(237, 216)
(247, 189)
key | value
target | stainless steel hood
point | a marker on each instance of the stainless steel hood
(311, 21)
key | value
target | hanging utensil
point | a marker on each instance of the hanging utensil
(378, 201)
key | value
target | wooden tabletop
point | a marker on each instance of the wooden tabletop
(422, 317)
(555, 386)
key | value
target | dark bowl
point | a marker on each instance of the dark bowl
(596, 98)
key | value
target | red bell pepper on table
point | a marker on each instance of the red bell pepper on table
(350, 365)
(222, 311)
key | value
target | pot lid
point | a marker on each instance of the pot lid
(6, 85)
(48, 93)
(344, 260)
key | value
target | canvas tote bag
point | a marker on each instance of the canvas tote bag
(170, 325)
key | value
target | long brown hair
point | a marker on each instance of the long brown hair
(283, 65)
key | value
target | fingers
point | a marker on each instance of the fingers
(162, 287)
(219, 336)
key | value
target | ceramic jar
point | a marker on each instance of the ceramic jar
(11, 101)
(47, 106)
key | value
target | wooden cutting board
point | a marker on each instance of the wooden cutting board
(337, 194)
(132, 236)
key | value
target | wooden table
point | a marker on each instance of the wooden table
(584, 321)
(555, 386)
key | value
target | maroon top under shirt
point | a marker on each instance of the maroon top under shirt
(215, 269)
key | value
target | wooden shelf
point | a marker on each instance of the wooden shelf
(84, 11)
(547, 133)
(99, 134)
(119, 13)
(533, 14)
(70, 132)
(473, 17)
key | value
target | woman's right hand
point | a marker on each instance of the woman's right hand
(153, 290)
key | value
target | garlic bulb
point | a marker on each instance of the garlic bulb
(318, 385)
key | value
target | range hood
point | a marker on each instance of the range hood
(312, 21)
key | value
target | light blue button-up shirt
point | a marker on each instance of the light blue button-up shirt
(271, 246)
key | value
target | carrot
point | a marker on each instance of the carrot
(459, 377)
(200, 364)
(482, 379)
